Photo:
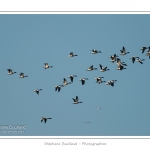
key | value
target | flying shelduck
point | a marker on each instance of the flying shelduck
(120, 63)
(102, 68)
(72, 55)
(71, 77)
(10, 72)
(22, 75)
(148, 52)
(140, 60)
(99, 80)
(83, 80)
(76, 100)
(37, 91)
(44, 119)
(111, 82)
(91, 68)
(120, 67)
(143, 49)
(123, 51)
(94, 51)
(46, 66)
(65, 82)
(133, 58)
(113, 57)
(58, 88)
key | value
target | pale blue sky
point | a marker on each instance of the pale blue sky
(28, 41)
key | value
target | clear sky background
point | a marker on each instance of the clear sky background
(29, 41)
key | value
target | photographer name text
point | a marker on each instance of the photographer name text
(12, 129)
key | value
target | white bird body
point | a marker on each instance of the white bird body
(65, 82)
(99, 80)
(140, 60)
(10, 72)
(113, 57)
(91, 68)
(121, 67)
(72, 55)
(94, 51)
(119, 63)
(123, 51)
(22, 75)
(111, 82)
(148, 53)
(76, 100)
(103, 69)
(46, 66)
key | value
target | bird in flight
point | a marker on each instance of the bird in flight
(99, 80)
(113, 57)
(111, 82)
(72, 55)
(76, 100)
(103, 69)
(46, 66)
(133, 58)
(10, 72)
(65, 82)
(71, 77)
(37, 91)
(83, 80)
(143, 49)
(123, 51)
(91, 68)
(44, 119)
(94, 51)
(21, 75)
(58, 88)
(140, 60)
(148, 52)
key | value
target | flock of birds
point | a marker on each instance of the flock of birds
(114, 58)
